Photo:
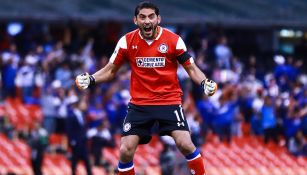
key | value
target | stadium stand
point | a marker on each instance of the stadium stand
(20, 115)
(246, 155)
(252, 12)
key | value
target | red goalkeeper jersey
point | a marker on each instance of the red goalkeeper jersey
(154, 66)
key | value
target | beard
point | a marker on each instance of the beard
(148, 31)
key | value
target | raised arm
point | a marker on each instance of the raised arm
(108, 72)
(209, 86)
(195, 73)
(105, 74)
(185, 59)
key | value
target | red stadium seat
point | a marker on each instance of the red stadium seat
(241, 157)
(20, 115)
(248, 155)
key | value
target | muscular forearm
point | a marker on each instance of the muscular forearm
(209, 86)
(83, 81)
(195, 73)
(105, 74)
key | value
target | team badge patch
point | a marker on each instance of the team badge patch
(127, 127)
(162, 48)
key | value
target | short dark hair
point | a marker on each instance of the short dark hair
(146, 4)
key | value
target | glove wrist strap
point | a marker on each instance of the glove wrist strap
(203, 82)
(92, 80)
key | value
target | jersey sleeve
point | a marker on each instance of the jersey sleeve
(182, 55)
(120, 53)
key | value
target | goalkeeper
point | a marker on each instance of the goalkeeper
(153, 53)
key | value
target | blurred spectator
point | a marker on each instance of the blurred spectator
(28, 78)
(237, 65)
(257, 104)
(57, 54)
(226, 115)
(167, 156)
(48, 105)
(11, 54)
(24, 133)
(100, 137)
(96, 114)
(6, 127)
(87, 56)
(271, 85)
(184, 81)
(304, 120)
(64, 75)
(38, 141)
(206, 109)
(76, 131)
(269, 121)
(8, 75)
(298, 145)
(61, 102)
(194, 122)
(286, 70)
(223, 53)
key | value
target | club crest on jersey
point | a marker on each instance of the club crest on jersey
(127, 127)
(150, 62)
(162, 48)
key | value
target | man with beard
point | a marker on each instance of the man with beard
(153, 53)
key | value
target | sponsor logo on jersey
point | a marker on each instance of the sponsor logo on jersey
(162, 48)
(150, 62)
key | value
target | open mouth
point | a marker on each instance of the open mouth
(148, 29)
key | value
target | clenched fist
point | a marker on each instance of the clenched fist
(209, 87)
(85, 80)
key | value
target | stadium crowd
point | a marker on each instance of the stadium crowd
(39, 67)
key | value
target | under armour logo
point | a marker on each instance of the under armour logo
(180, 124)
(134, 47)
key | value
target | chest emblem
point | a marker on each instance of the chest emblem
(163, 48)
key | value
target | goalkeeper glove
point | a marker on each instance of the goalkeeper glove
(85, 80)
(209, 87)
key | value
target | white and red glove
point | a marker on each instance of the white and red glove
(209, 87)
(84, 81)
